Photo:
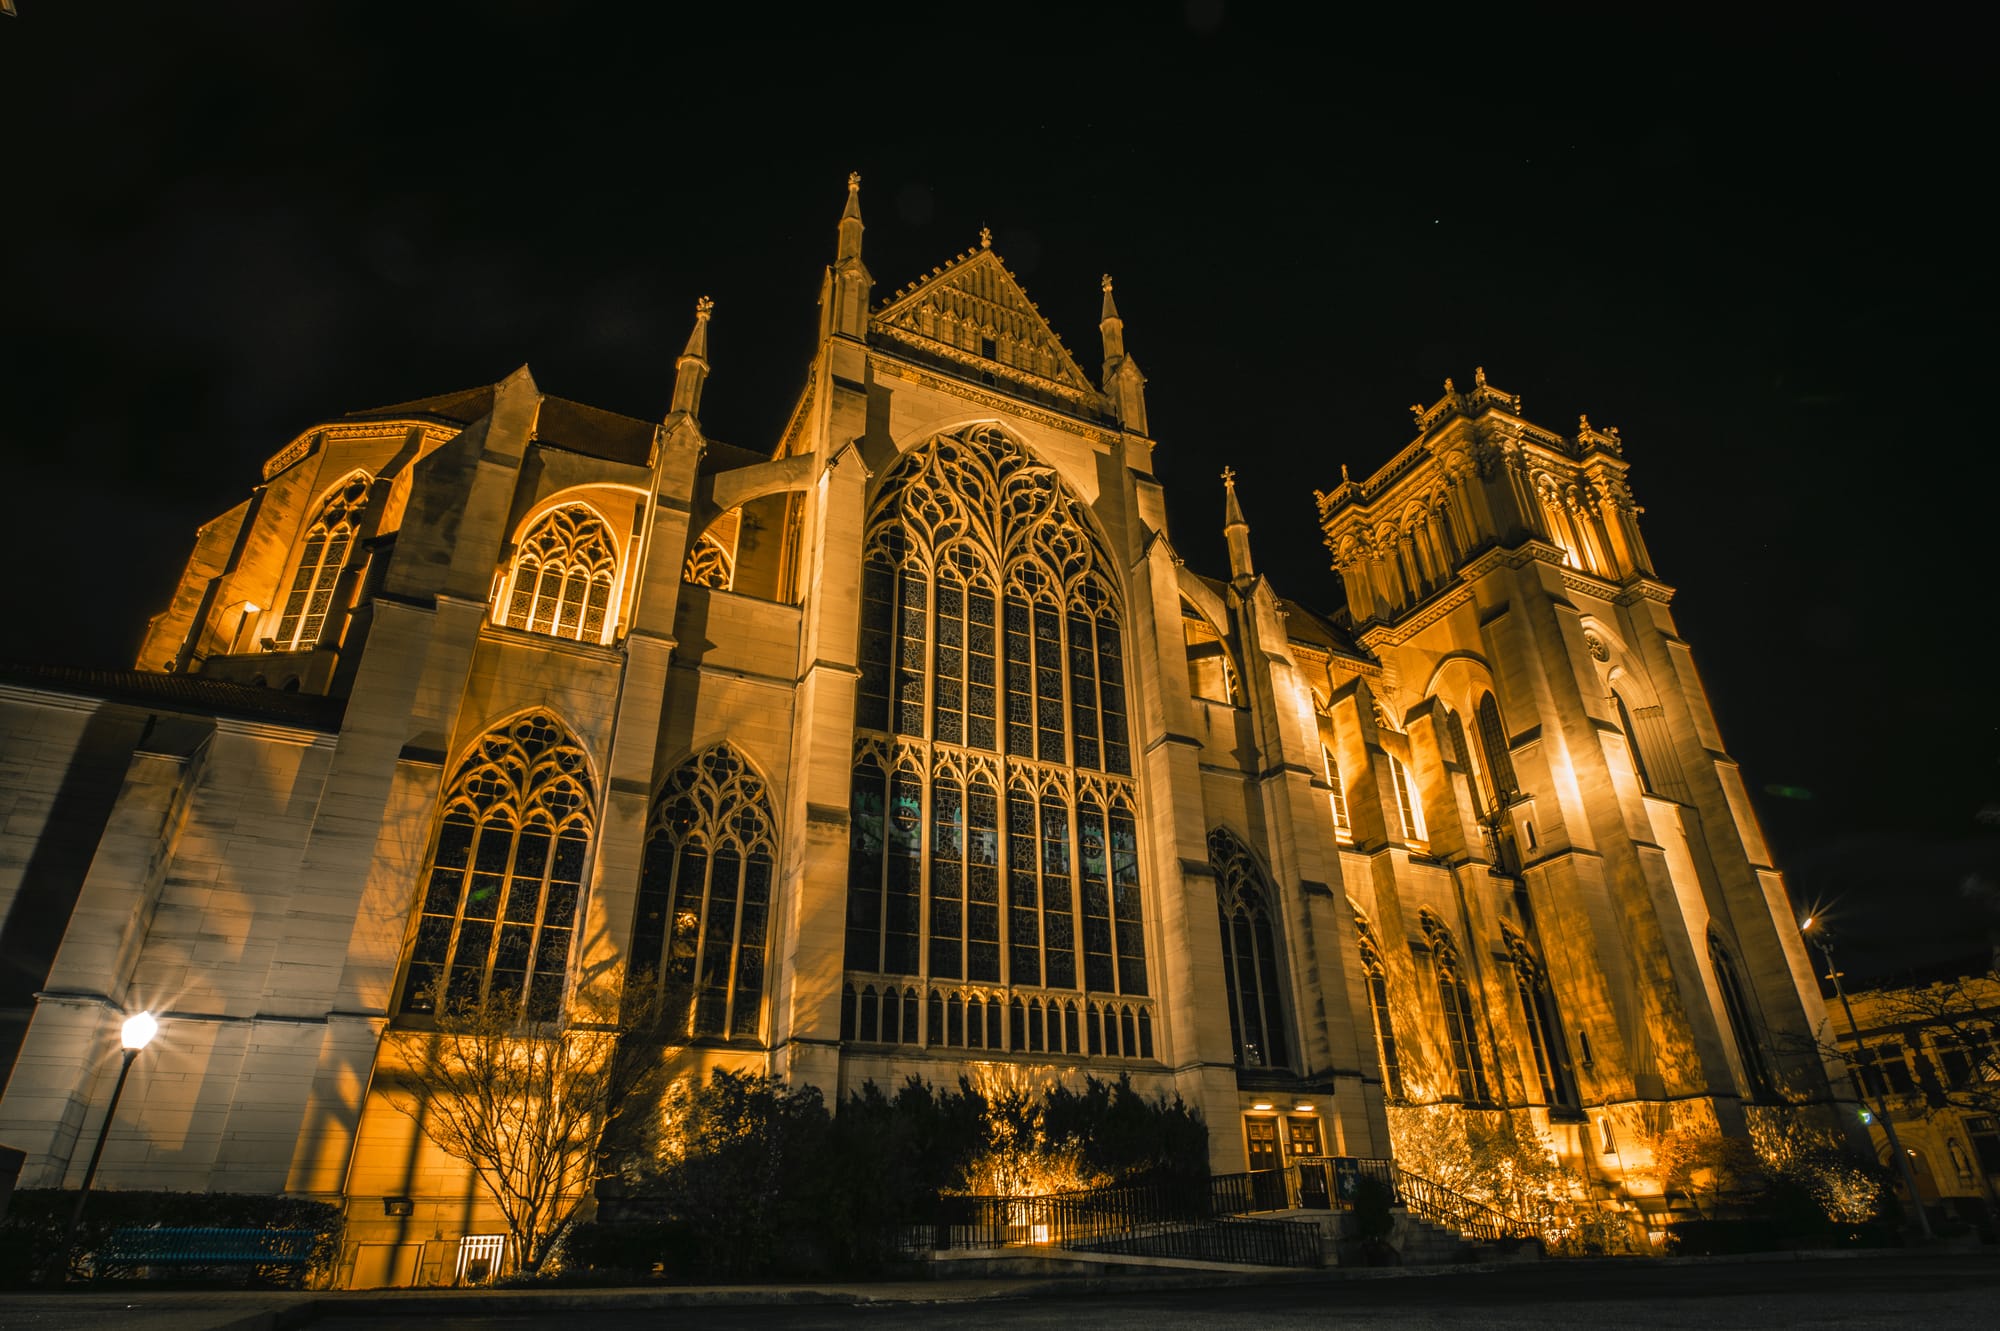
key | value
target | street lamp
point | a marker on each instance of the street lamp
(1882, 1115)
(137, 1032)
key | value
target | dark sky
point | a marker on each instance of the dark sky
(1752, 244)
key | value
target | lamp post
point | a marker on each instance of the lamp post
(137, 1032)
(1888, 1124)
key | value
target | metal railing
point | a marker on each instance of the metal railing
(1440, 1206)
(1231, 1239)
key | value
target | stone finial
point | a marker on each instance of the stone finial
(703, 308)
(1448, 389)
(1345, 479)
(1107, 284)
(691, 370)
(1479, 375)
(986, 238)
(1583, 425)
(853, 182)
(1229, 477)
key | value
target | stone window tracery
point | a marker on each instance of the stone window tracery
(1461, 1033)
(500, 894)
(994, 831)
(708, 564)
(1251, 974)
(329, 540)
(705, 897)
(563, 573)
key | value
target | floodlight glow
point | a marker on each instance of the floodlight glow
(138, 1031)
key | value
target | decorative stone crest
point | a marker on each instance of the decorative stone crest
(1595, 646)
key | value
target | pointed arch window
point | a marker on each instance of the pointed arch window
(505, 877)
(708, 564)
(1461, 1032)
(1493, 746)
(705, 897)
(562, 576)
(1343, 829)
(1408, 807)
(1736, 1009)
(1632, 742)
(1544, 1024)
(1250, 968)
(1375, 978)
(329, 541)
(993, 837)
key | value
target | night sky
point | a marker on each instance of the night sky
(1753, 245)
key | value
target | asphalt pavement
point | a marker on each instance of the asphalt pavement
(1930, 1290)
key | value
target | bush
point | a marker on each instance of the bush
(31, 1235)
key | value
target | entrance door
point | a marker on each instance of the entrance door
(1302, 1143)
(1262, 1136)
(1302, 1136)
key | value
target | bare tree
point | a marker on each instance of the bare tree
(526, 1104)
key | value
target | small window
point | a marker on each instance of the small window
(479, 1257)
(1408, 805)
(1605, 1141)
(1342, 828)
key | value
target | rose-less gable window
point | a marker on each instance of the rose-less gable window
(500, 895)
(329, 540)
(562, 576)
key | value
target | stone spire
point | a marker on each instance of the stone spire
(851, 281)
(1235, 529)
(1123, 383)
(691, 370)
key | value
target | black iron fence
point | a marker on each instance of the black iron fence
(1196, 1221)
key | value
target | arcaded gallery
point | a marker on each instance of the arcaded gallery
(901, 744)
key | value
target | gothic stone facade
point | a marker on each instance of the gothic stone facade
(906, 744)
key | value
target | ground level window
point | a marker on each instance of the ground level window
(479, 1257)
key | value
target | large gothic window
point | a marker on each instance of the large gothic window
(1250, 970)
(1375, 978)
(328, 542)
(1737, 1010)
(708, 564)
(994, 841)
(705, 897)
(1493, 744)
(562, 576)
(1545, 1033)
(1461, 1032)
(500, 894)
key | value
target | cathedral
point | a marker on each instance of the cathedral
(901, 744)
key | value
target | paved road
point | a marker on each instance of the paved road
(1930, 1292)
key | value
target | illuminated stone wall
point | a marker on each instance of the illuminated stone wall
(269, 781)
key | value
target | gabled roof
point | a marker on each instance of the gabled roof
(574, 427)
(465, 406)
(953, 313)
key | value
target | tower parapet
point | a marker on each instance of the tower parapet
(1479, 475)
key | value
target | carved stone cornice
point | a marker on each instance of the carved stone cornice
(309, 443)
(995, 402)
(1426, 613)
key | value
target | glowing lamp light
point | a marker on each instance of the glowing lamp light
(1263, 1104)
(1867, 1116)
(138, 1031)
(1304, 1107)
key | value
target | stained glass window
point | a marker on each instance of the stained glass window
(562, 576)
(505, 878)
(994, 832)
(329, 542)
(1250, 967)
(705, 897)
